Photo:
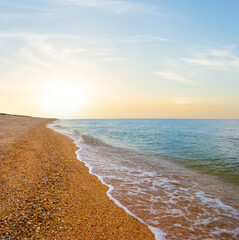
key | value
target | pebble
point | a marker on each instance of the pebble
(45, 167)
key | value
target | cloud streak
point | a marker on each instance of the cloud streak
(222, 59)
(173, 76)
(51, 52)
(144, 39)
(112, 5)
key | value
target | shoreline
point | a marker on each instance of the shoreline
(183, 197)
(47, 193)
(157, 232)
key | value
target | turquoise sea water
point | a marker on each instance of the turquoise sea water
(179, 177)
(209, 146)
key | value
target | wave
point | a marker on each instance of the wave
(162, 195)
(78, 139)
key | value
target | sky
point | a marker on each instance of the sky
(120, 59)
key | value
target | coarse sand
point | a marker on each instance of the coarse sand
(46, 193)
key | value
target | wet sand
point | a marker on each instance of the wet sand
(46, 193)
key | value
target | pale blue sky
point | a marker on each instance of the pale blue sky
(174, 58)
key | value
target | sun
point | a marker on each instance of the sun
(62, 98)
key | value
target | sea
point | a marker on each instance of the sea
(180, 177)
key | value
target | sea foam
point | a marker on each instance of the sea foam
(155, 191)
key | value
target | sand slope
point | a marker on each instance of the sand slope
(46, 193)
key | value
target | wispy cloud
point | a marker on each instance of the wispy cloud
(48, 6)
(173, 76)
(32, 57)
(15, 64)
(189, 69)
(19, 10)
(116, 6)
(29, 35)
(53, 51)
(223, 59)
(107, 40)
(144, 39)
(69, 51)
(31, 5)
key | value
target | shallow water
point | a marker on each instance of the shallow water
(142, 161)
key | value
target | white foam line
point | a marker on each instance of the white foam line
(159, 234)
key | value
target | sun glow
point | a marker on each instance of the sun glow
(62, 98)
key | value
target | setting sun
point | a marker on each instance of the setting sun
(62, 97)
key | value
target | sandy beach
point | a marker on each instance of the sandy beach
(46, 193)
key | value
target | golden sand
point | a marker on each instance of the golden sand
(46, 193)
